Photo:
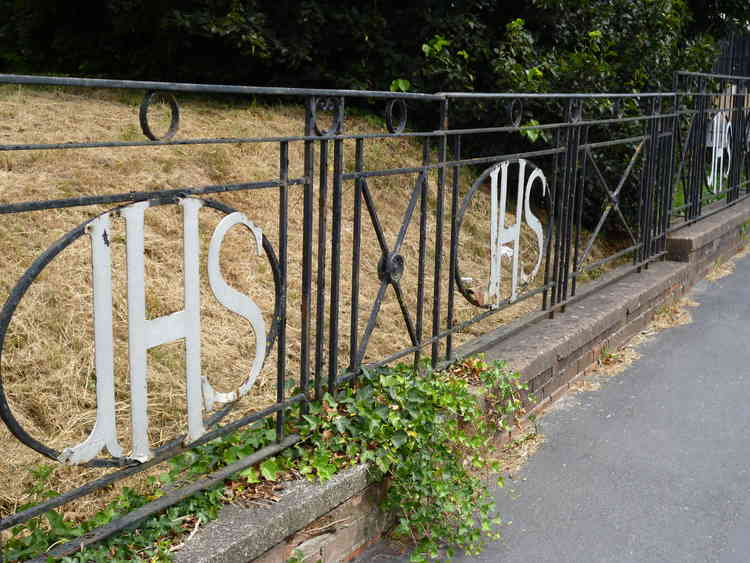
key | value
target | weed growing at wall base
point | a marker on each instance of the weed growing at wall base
(430, 436)
(425, 432)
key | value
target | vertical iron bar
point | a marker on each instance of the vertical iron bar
(356, 244)
(658, 188)
(571, 176)
(670, 157)
(735, 172)
(560, 181)
(439, 205)
(693, 147)
(698, 161)
(661, 187)
(422, 247)
(452, 264)
(678, 152)
(283, 226)
(641, 207)
(321, 281)
(333, 341)
(570, 185)
(646, 189)
(669, 125)
(548, 297)
(653, 186)
(307, 249)
(578, 212)
(727, 116)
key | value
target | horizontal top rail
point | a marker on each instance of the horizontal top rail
(563, 95)
(207, 88)
(280, 91)
(711, 75)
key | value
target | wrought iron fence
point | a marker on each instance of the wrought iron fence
(494, 222)
(734, 56)
(713, 131)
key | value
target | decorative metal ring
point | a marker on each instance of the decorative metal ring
(174, 123)
(401, 104)
(575, 110)
(38, 266)
(329, 104)
(515, 112)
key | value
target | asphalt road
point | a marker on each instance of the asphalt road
(655, 465)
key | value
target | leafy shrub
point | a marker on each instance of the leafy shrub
(430, 436)
(425, 432)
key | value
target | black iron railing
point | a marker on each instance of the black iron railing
(491, 218)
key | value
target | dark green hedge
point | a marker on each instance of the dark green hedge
(434, 45)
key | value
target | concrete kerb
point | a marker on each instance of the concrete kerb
(682, 245)
(551, 353)
(243, 534)
(545, 343)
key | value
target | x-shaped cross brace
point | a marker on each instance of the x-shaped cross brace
(391, 266)
(614, 197)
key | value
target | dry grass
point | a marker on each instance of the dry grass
(514, 454)
(47, 362)
(722, 268)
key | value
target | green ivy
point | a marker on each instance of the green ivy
(425, 432)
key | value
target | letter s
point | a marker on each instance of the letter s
(237, 303)
(534, 223)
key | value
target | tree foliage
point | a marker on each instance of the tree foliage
(539, 45)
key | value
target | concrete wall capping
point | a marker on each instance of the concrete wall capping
(331, 521)
(706, 235)
(243, 534)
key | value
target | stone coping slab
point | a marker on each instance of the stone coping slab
(684, 242)
(540, 345)
(242, 534)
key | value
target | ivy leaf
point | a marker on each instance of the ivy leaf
(270, 468)
(60, 527)
(400, 85)
(251, 475)
(312, 421)
(530, 133)
(341, 424)
(399, 438)
(382, 463)
(231, 455)
(323, 466)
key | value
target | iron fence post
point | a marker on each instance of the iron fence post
(439, 207)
